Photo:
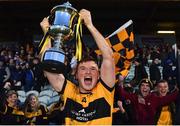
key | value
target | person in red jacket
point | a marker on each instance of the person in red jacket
(145, 103)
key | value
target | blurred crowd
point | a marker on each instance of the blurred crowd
(20, 69)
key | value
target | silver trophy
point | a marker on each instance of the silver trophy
(63, 20)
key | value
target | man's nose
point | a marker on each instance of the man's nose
(88, 70)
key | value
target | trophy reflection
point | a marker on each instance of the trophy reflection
(63, 20)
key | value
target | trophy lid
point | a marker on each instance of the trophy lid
(64, 5)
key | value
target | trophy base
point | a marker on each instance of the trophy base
(54, 61)
(53, 66)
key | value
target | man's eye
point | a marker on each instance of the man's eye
(93, 69)
(82, 68)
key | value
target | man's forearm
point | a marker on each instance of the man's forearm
(101, 42)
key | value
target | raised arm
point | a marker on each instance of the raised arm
(56, 80)
(107, 71)
(165, 100)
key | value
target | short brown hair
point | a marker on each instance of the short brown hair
(161, 81)
(10, 92)
(86, 59)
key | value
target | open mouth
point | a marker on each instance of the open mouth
(145, 91)
(87, 80)
(33, 104)
(163, 92)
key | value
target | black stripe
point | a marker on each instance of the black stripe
(97, 109)
(42, 43)
(106, 86)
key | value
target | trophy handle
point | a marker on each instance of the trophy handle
(50, 18)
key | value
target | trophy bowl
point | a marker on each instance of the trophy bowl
(63, 21)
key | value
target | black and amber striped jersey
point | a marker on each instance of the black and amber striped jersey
(56, 114)
(93, 108)
(11, 115)
(39, 117)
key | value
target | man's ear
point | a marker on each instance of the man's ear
(99, 74)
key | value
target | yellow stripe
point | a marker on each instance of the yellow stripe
(33, 114)
(17, 112)
(70, 22)
(46, 45)
(78, 40)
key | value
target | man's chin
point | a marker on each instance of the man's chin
(88, 88)
(145, 94)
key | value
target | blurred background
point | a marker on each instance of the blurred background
(19, 19)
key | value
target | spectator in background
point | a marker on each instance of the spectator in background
(29, 77)
(39, 79)
(4, 71)
(163, 55)
(35, 114)
(145, 103)
(154, 71)
(139, 73)
(171, 54)
(125, 113)
(155, 53)
(17, 77)
(169, 73)
(120, 116)
(11, 64)
(10, 107)
(165, 114)
(56, 113)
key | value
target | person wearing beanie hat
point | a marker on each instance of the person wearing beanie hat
(145, 103)
(146, 80)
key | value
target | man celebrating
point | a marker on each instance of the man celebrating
(91, 102)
